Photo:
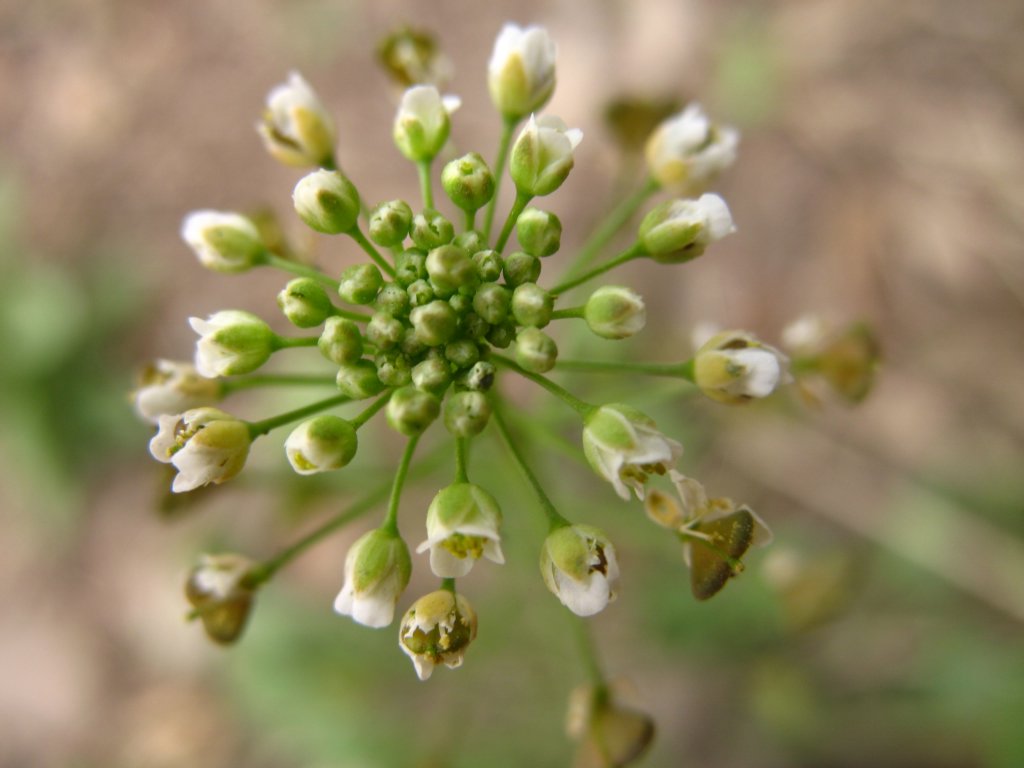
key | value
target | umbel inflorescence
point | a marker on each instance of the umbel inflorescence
(427, 326)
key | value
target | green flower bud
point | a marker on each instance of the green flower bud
(217, 589)
(450, 269)
(488, 265)
(411, 346)
(377, 571)
(542, 155)
(466, 413)
(394, 300)
(475, 327)
(462, 353)
(435, 323)
(471, 241)
(232, 342)
(615, 312)
(420, 293)
(492, 302)
(460, 303)
(535, 350)
(341, 341)
(358, 380)
(468, 182)
(539, 232)
(223, 242)
(320, 444)
(410, 266)
(680, 230)
(384, 331)
(327, 202)
(431, 230)
(422, 123)
(432, 375)
(390, 223)
(521, 268)
(532, 305)
(360, 284)
(502, 335)
(480, 377)
(411, 410)
(304, 302)
(393, 369)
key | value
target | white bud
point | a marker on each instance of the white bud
(422, 123)
(222, 241)
(296, 128)
(521, 71)
(687, 151)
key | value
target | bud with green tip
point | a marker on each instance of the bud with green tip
(466, 413)
(341, 341)
(422, 122)
(205, 445)
(489, 265)
(450, 269)
(360, 284)
(216, 588)
(296, 128)
(679, 230)
(462, 526)
(520, 268)
(539, 232)
(468, 182)
(327, 202)
(535, 350)
(411, 410)
(305, 302)
(521, 71)
(615, 312)
(377, 571)
(410, 266)
(435, 323)
(384, 331)
(223, 242)
(471, 241)
(542, 155)
(579, 566)
(431, 229)
(358, 380)
(532, 305)
(321, 444)
(389, 223)
(232, 342)
(492, 302)
(432, 375)
(437, 629)
(734, 367)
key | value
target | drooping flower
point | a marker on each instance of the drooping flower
(231, 342)
(377, 571)
(463, 524)
(168, 387)
(687, 151)
(521, 71)
(624, 447)
(296, 128)
(217, 591)
(437, 629)
(579, 566)
(206, 446)
(735, 367)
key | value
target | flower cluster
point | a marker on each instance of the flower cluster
(429, 323)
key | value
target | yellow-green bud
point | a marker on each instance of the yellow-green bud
(468, 182)
(542, 155)
(475, 327)
(377, 571)
(679, 230)
(466, 413)
(521, 71)
(521, 267)
(480, 377)
(393, 369)
(389, 223)
(341, 341)
(461, 303)
(437, 629)
(615, 312)
(532, 305)
(539, 232)
(471, 241)
(422, 122)
(358, 380)
(420, 293)
(462, 353)
(535, 350)
(492, 302)
(502, 335)
(384, 331)
(450, 269)
(305, 302)
(432, 375)
(410, 266)
(431, 230)
(216, 588)
(410, 346)
(223, 242)
(411, 410)
(232, 342)
(360, 284)
(488, 265)
(327, 202)
(320, 444)
(435, 323)
(296, 128)
(394, 300)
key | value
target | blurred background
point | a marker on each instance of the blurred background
(881, 178)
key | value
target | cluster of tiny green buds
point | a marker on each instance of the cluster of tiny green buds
(218, 592)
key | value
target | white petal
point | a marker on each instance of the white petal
(583, 598)
(374, 611)
(451, 103)
(445, 565)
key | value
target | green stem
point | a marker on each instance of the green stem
(287, 342)
(521, 201)
(581, 407)
(302, 270)
(448, 584)
(391, 521)
(359, 317)
(257, 428)
(370, 410)
(611, 224)
(633, 252)
(426, 190)
(585, 642)
(561, 314)
(672, 370)
(470, 220)
(507, 127)
(555, 520)
(357, 234)
(461, 459)
(228, 386)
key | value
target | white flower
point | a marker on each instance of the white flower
(521, 71)
(680, 230)
(462, 526)
(231, 342)
(169, 387)
(687, 150)
(579, 566)
(296, 128)
(321, 444)
(437, 629)
(542, 155)
(623, 447)
(223, 241)
(734, 367)
(422, 123)
(377, 570)
(205, 445)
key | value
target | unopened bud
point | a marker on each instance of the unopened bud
(410, 266)
(535, 350)
(488, 265)
(223, 242)
(305, 302)
(216, 589)
(327, 202)
(390, 222)
(679, 230)
(471, 241)
(532, 305)
(468, 182)
(411, 410)
(384, 331)
(232, 342)
(431, 230)
(394, 300)
(450, 269)
(521, 267)
(492, 302)
(466, 413)
(539, 232)
(341, 341)
(542, 155)
(462, 353)
(358, 380)
(422, 123)
(320, 444)
(615, 312)
(432, 375)
(360, 284)
(435, 323)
